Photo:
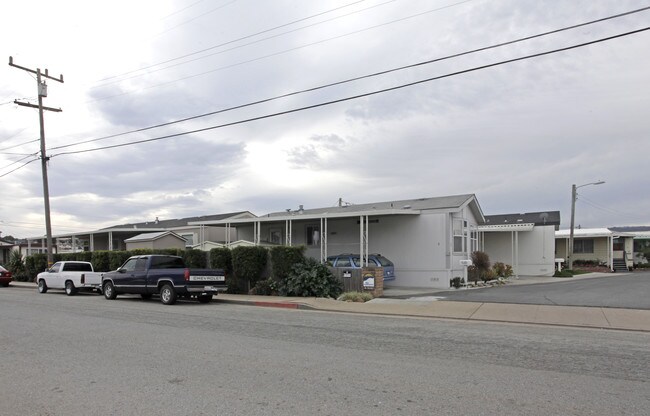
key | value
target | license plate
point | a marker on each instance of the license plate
(207, 278)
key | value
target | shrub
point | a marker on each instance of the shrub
(502, 269)
(355, 297)
(117, 258)
(101, 261)
(221, 258)
(283, 259)
(35, 264)
(266, 287)
(310, 278)
(17, 267)
(196, 259)
(457, 282)
(248, 263)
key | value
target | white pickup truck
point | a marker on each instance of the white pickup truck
(72, 276)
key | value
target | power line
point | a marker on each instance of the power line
(228, 43)
(375, 74)
(354, 97)
(19, 144)
(19, 167)
(323, 41)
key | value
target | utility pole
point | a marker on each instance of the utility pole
(42, 92)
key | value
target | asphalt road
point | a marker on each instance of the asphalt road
(84, 355)
(615, 291)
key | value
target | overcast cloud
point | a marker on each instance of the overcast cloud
(516, 135)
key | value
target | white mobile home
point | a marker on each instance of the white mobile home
(425, 238)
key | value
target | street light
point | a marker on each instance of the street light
(574, 196)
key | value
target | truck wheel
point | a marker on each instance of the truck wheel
(204, 298)
(109, 291)
(42, 287)
(70, 290)
(146, 296)
(168, 295)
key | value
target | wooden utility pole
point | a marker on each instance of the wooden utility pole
(42, 92)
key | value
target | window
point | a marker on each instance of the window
(164, 262)
(343, 262)
(583, 246)
(313, 235)
(77, 267)
(459, 230)
(189, 239)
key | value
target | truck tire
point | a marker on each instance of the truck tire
(42, 287)
(109, 291)
(70, 290)
(204, 298)
(167, 295)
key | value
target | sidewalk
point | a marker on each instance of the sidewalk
(429, 307)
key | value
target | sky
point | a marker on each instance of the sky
(517, 134)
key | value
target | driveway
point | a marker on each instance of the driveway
(626, 290)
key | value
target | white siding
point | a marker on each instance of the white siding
(536, 250)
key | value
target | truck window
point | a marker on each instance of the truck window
(55, 268)
(77, 267)
(167, 263)
(129, 266)
(140, 265)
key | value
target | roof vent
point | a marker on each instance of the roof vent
(406, 207)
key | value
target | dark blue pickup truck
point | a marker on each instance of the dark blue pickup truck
(162, 275)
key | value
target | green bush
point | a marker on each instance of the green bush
(283, 259)
(266, 287)
(141, 252)
(502, 269)
(117, 258)
(457, 282)
(17, 267)
(101, 261)
(195, 259)
(35, 264)
(221, 258)
(248, 263)
(310, 278)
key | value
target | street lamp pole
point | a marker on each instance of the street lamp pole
(574, 196)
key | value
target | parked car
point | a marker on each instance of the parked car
(5, 277)
(72, 276)
(352, 261)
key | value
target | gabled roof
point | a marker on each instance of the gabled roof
(152, 236)
(535, 218)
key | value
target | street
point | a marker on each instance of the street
(627, 290)
(85, 355)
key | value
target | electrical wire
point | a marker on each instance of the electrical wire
(19, 144)
(375, 74)
(19, 167)
(354, 97)
(229, 42)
